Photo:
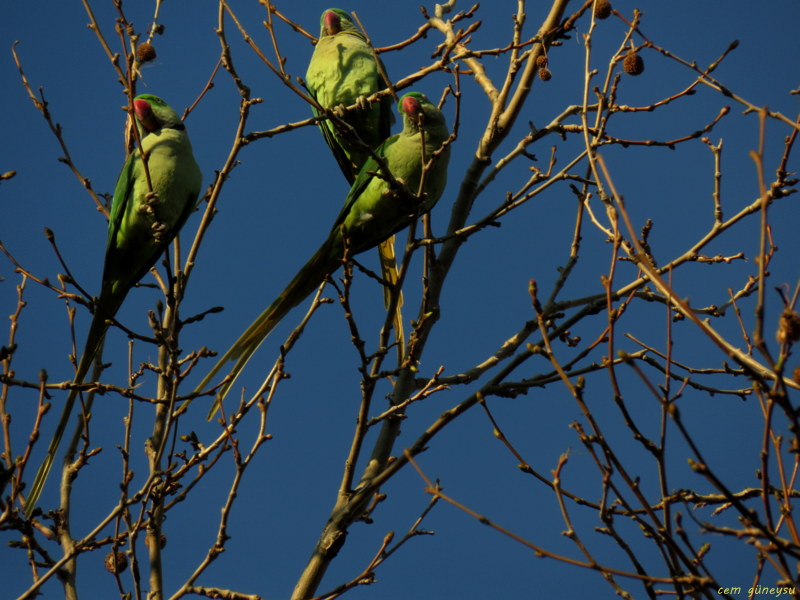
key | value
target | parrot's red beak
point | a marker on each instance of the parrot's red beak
(333, 23)
(145, 114)
(413, 108)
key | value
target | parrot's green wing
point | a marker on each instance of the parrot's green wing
(372, 211)
(362, 181)
(327, 129)
(139, 229)
(122, 195)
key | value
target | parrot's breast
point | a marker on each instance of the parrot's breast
(175, 179)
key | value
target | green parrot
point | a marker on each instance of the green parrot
(373, 211)
(140, 228)
(342, 72)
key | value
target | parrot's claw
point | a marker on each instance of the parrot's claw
(150, 201)
(362, 103)
(159, 231)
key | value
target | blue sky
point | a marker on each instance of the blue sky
(276, 208)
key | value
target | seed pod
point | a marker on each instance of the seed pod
(545, 74)
(145, 52)
(541, 61)
(116, 562)
(602, 9)
(633, 63)
(788, 327)
(162, 540)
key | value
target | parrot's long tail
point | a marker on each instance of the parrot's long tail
(94, 342)
(391, 274)
(323, 263)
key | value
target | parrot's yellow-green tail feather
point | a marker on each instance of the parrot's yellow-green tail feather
(319, 266)
(243, 349)
(94, 341)
(391, 274)
(44, 470)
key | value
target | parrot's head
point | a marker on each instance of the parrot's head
(153, 113)
(333, 21)
(417, 111)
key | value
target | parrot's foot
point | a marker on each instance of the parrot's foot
(339, 111)
(159, 231)
(150, 201)
(149, 206)
(362, 103)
